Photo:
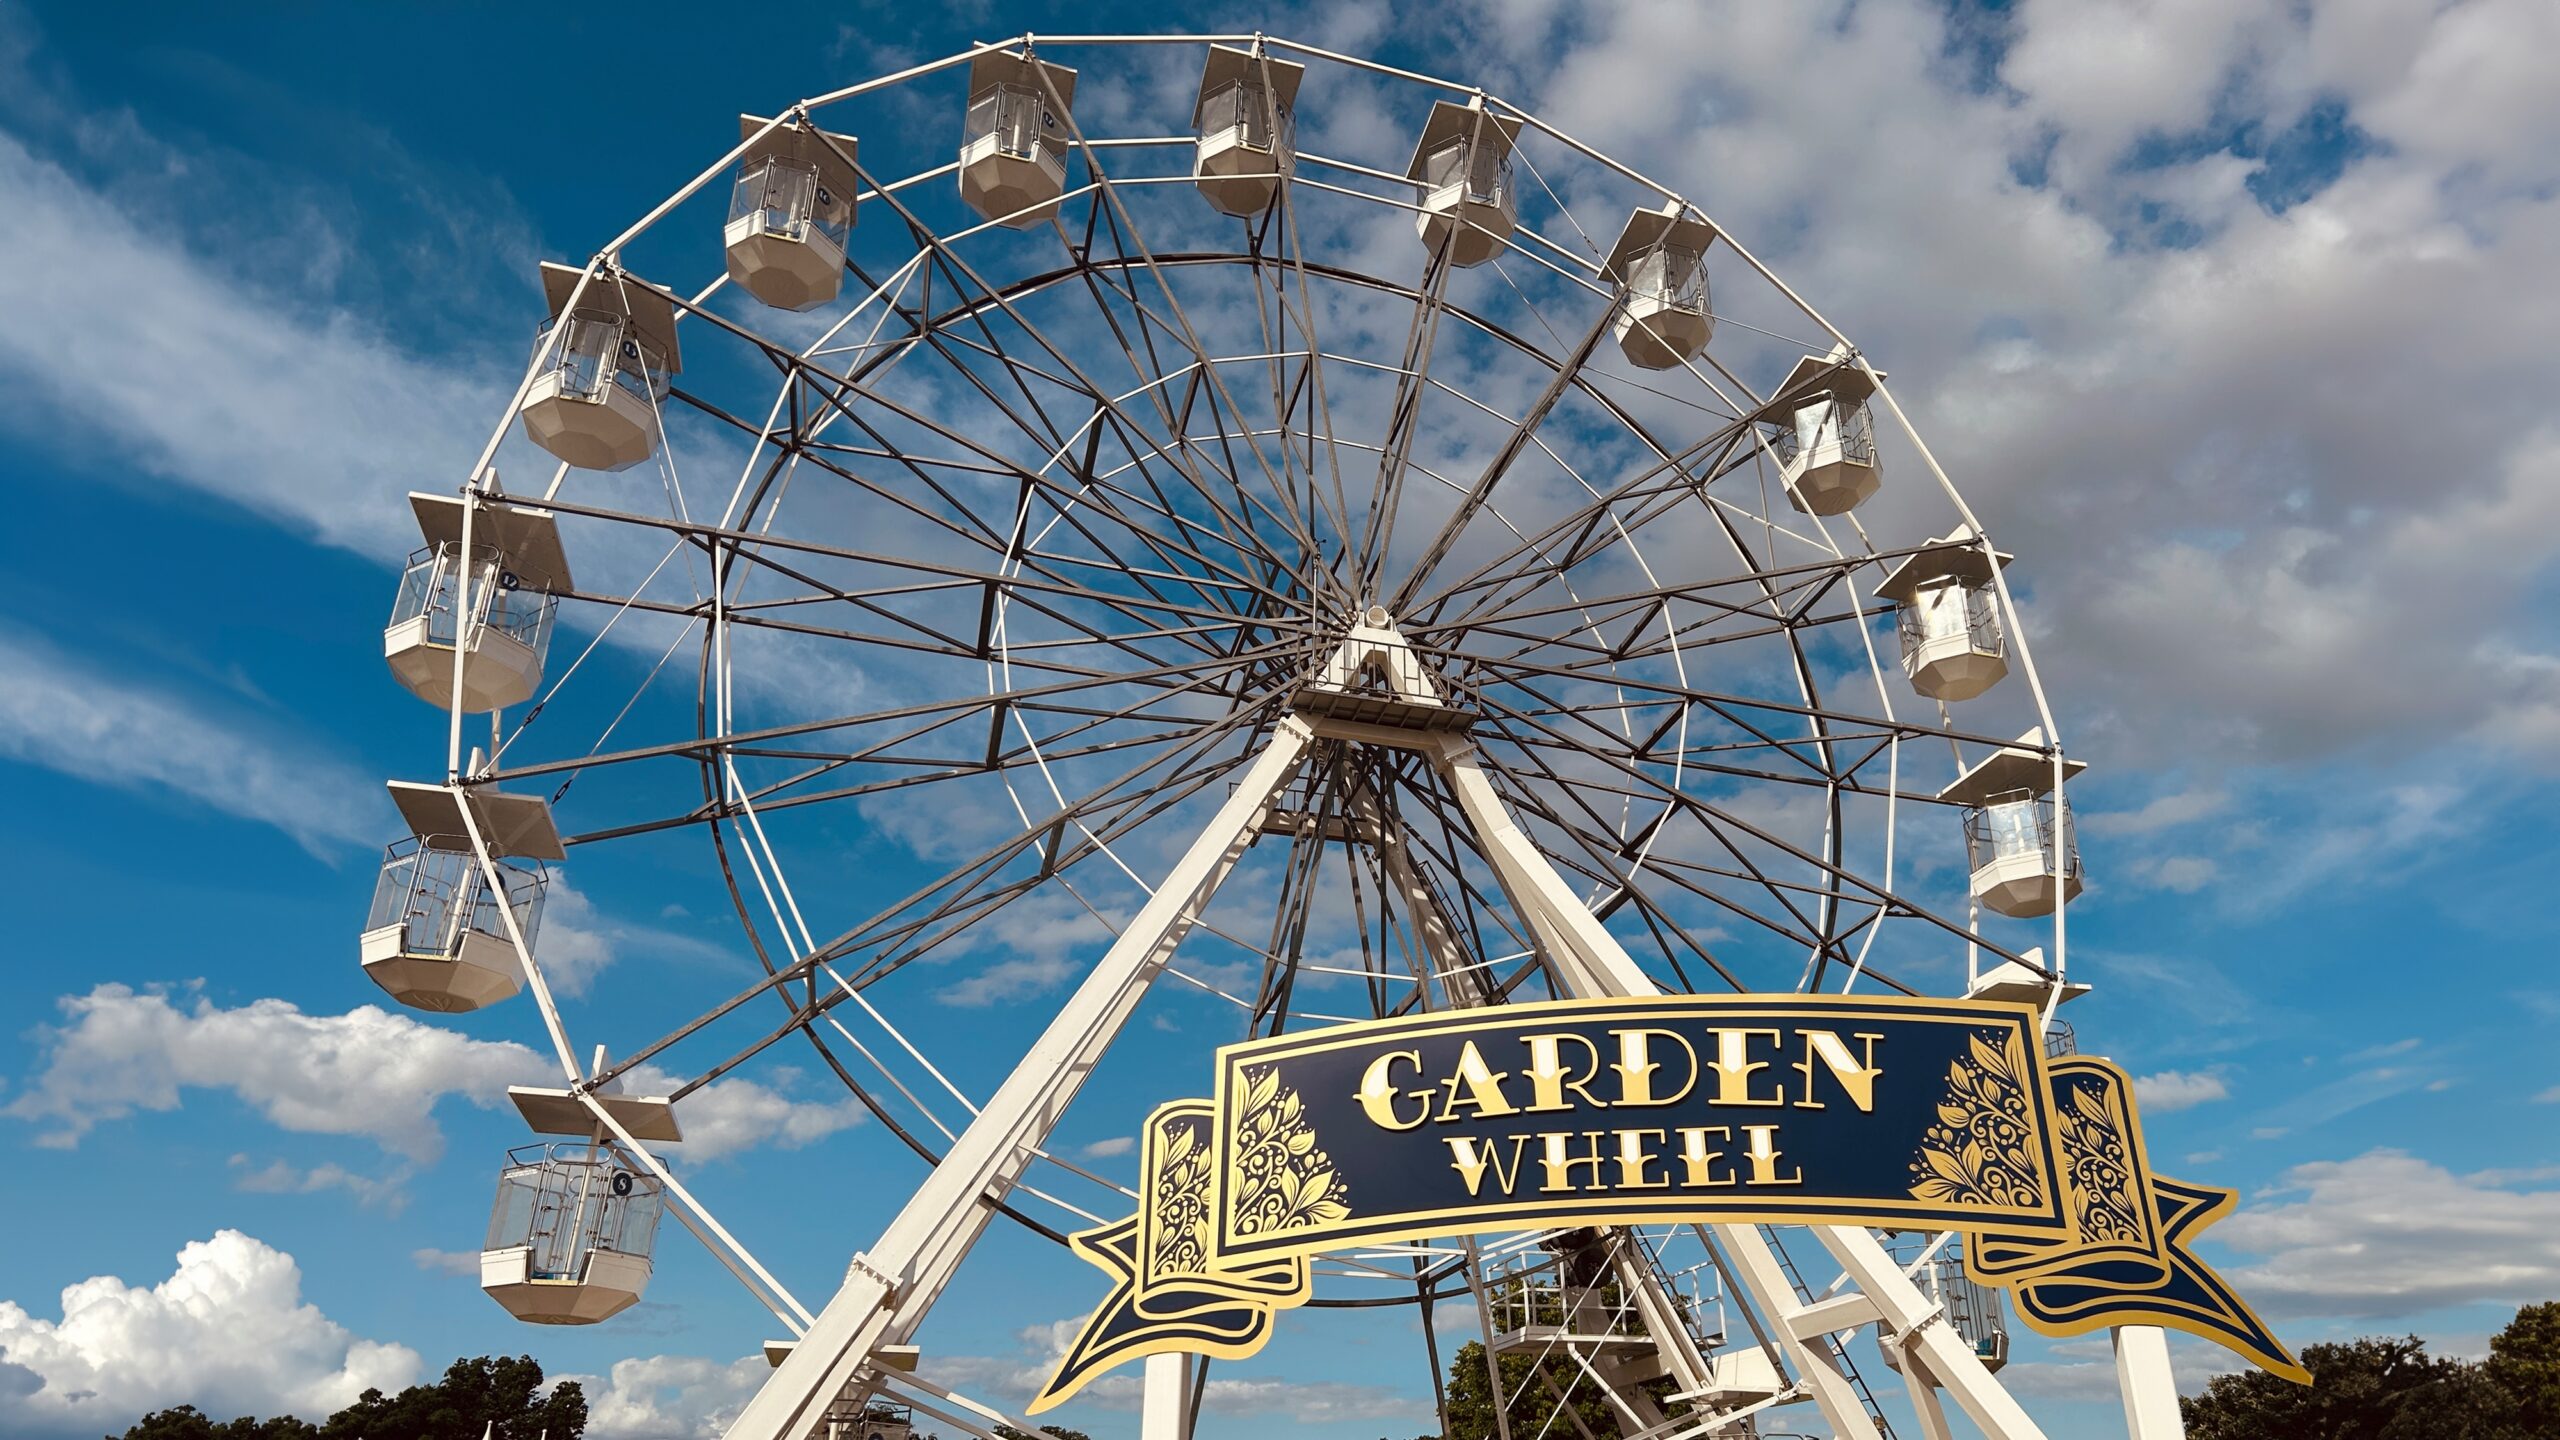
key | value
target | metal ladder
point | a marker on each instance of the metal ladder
(1848, 1367)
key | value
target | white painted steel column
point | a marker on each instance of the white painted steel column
(2150, 1387)
(888, 1289)
(1164, 1409)
(1607, 969)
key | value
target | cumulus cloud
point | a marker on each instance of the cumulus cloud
(2388, 1234)
(227, 1332)
(2178, 1090)
(279, 1177)
(669, 1397)
(68, 717)
(370, 1072)
(447, 1262)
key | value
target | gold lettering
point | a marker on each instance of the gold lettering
(1377, 1094)
(1695, 1157)
(1857, 1078)
(1734, 1068)
(1548, 1081)
(1560, 1167)
(1483, 1086)
(1763, 1155)
(1636, 1065)
(1633, 1157)
(1470, 1158)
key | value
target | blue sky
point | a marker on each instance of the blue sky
(2229, 319)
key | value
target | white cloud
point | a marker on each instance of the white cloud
(669, 1397)
(2161, 812)
(448, 1262)
(735, 1114)
(2179, 874)
(2177, 1090)
(369, 1072)
(299, 413)
(578, 941)
(2388, 1234)
(1105, 1149)
(279, 1177)
(228, 1332)
(69, 718)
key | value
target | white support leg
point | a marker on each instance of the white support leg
(1466, 983)
(1164, 1411)
(1923, 1389)
(1594, 963)
(889, 1288)
(2150, 1388)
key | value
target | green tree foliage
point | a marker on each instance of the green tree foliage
(474, 1397)
(1060, 1432)
(185, 1422)
(2384, 1388)
(2524, 1361)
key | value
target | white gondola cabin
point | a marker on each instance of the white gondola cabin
(490, 608)
(1246, 141)
(603, 370)
(1659, 266)
(436, 938)
(569, 1241)
(791, 214)
(1463, 164)
(1013, 144)
(1826, 442)
(1947, 612)
(571, 1234)
(2017, 829)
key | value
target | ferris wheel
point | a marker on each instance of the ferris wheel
(1304, 526)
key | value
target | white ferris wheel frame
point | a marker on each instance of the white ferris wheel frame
(862, 1336)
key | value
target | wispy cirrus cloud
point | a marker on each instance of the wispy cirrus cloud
(69, 717)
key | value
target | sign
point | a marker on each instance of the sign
(1710, 1109)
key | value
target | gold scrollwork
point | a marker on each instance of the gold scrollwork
(2099, 1182)
(1280, 1180)
(1180, 1204)
(1982, 1150)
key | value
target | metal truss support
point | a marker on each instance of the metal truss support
(1592, 962)
(889, 1288)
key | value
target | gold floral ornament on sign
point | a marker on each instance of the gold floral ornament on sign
(1978, 1153)
(1281, 1181)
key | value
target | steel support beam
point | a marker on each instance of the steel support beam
(889, 1288)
